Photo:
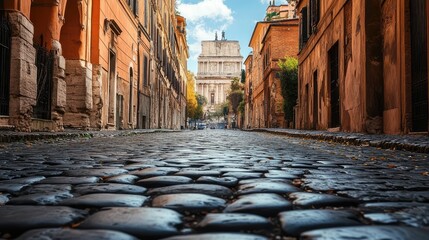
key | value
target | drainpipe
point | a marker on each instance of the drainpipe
(138, 81)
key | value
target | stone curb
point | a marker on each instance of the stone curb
(357, 140)
(10, 137)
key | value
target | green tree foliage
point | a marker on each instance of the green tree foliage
(191, 99)
(201, 100)
(241, 107)
(243, 76)
(270, 16)
(220, 111)
(289, 85)
(225, 108)
(236, 94)
(199, 113)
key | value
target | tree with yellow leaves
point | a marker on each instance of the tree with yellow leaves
(191, 98)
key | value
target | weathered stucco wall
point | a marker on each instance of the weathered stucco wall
(342, 24)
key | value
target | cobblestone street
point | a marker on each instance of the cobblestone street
(211, 184)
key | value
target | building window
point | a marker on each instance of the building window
(314, 15)
(310, 16)
(303, 28)
(134, 5)
(145, 71)
(146, 13)
(130, 107)
(212, 99)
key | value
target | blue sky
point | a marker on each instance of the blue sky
(236, 17)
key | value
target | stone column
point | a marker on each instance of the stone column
(223, 92)
(23, 72)
(79, 94)
(58, 87)
(217, 94)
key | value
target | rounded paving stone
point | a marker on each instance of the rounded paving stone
(265, 204)
(267, 187)
(41, 198)
(18, 218)
(125, 179)
(139, 222)
(233, 222)
(268, 180)
(155, 172)
(194, 174)
(242, 175)
(188, 202)
(25, 180)
(69, 180)
(294, 223)
(106, 200)
(109, 188)
(3, 199)
(280, 174)
(413, 216)
(96, 172)
(71, 234)
(163, 181)
(209, 189)
(307, 200)
(138, 166)
(48, 188)
(224, 181)
(12, 187)
(218, 236)
(393, 205)
(231, 169)
(367, 233)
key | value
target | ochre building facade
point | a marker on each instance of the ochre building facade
(363, 66)
(91, 64)
(271, 41)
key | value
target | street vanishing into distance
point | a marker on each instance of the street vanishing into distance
(210, 184)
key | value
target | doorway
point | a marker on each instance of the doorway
(315, 101)
(5, 42)
(334, 86)
(419, 65)
(112, 87)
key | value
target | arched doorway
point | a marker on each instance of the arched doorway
(75, 49)
(48, 18)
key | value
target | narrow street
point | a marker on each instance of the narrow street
(211, 184)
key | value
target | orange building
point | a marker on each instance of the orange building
(167, 80)
(88, 64)
(270, 41)
(363, 66)
(182, 51)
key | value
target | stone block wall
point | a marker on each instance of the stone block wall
(79, 94)
(23, 73)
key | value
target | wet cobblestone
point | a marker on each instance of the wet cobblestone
(212, 184)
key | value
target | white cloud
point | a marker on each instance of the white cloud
(204, 19)
(206, 9)
(277, 2)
